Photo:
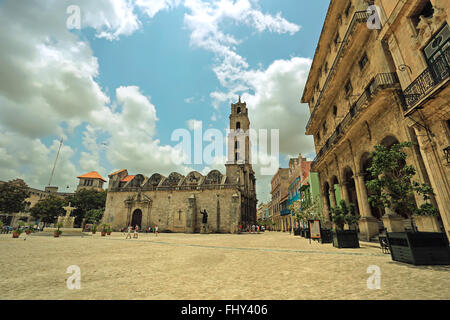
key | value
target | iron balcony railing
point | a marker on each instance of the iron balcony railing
(379, 82)
(358, 17)
(438, 71)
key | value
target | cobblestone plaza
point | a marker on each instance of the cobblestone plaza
(270, 265)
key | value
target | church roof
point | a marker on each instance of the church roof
(127, 178)
(92, 175)
(114, 173)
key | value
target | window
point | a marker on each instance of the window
(336, 39)
(324, 126)
(326, 67)
(236, 156)
(236, 145)
(238, 125)
(335, 111)
(348, 87)
(425, 10)
(348, 9)
(318, 136)
(363, 61)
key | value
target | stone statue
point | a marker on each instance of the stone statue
(205, 216)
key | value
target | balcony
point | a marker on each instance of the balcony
(436, 73)
(358, 17)
(380, 82)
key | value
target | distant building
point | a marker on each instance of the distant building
(91, 181)
(34, 197)
(280, 185)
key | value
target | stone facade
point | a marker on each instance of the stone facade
(280, 185)
(371, 86)
(34, 196)
(175, 203)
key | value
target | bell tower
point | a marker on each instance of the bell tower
(239, 168)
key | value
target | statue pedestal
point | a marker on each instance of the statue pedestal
(204, 229)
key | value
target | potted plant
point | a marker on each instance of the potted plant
(17, 231)
(342, 215)
(393, 188)
(109, 230)
(94, 229)
(29, 229)
(105, 228)
(58, 232)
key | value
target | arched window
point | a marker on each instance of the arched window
(335, 111)
(238, 125)
(239, 110)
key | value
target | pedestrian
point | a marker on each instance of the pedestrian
(156, 231)
(129, 233)
(136, 234)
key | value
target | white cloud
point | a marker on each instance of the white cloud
(152, 7)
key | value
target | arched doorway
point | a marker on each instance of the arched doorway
(136, 219)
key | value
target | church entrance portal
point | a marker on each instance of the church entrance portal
(137, 218)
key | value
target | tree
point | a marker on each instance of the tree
(391, 185)
(13, 195)
(344, 214)
(48, 208)
(86, 200)
(94, 216)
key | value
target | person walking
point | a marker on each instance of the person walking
(136, 233)
(156, 231)
(128, 233)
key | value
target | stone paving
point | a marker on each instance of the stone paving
(264, 266)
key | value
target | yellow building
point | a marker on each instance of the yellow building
(375, 84)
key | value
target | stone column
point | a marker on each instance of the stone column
(218, 215)
(326, 212)
(333, 197)
(344, 192)
(191, 215)
(368, 225)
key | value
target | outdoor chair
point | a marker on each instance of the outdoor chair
(384, 244)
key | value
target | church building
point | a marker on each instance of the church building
(177, 203)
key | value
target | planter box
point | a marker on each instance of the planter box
(345, 239)
(419, 248)
(327, 236)
(296, 232)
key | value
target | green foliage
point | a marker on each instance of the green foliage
(94, 215)
(12, 196)
(344, 214)
(310, 210)
(48, 208)
(105, 227)
(94, 228)
(86, 201)
(391, 185)
(1, 224)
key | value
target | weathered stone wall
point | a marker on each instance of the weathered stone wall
(172, 209)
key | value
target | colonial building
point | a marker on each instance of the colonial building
(34, 196)
(279, 191)
(175, 203)
(298, 171)
(370, 86)
(91, 181)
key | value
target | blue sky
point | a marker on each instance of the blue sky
(152, 60)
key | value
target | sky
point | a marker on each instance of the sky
(116, 83)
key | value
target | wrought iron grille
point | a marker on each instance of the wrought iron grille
(438, 71)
